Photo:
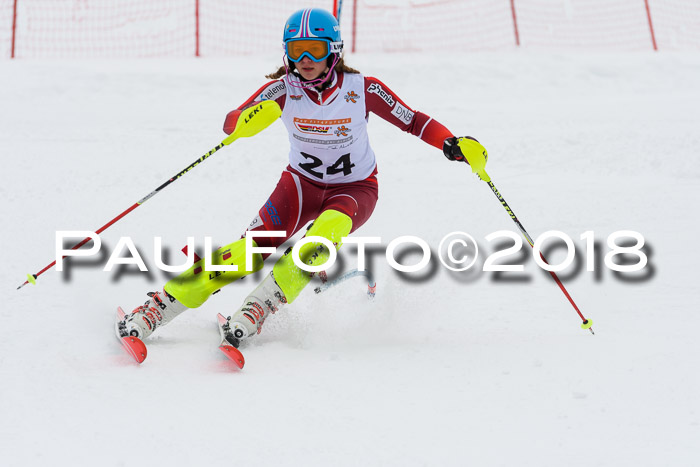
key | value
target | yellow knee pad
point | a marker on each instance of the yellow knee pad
(332, 225)
(193, 287)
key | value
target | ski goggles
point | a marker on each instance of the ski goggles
(316, 49)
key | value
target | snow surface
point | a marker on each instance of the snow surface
(447, 369)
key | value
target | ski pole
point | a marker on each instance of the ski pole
(251, 122)
(478, 164)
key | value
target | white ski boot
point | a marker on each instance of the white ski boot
(156, 312)
(248, 320)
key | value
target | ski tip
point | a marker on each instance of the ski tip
(233, 354)
(135, 347)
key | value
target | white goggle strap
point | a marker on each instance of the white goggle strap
(336, 47)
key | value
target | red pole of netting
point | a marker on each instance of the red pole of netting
(196, 28)
(651, 26)
(14, 29)
(354, 24)
(515, 23)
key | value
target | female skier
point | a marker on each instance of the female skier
(331, 178)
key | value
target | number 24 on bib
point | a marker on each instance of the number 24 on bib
(342, 165)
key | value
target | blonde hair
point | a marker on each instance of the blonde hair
(340, 66)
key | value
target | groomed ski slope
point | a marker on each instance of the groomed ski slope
(442, 368)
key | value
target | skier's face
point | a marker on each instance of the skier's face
(310, 70)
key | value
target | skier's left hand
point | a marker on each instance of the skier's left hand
(463, 148)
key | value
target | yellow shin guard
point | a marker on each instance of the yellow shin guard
(193, 287)
(332, 225)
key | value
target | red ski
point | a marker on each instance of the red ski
(133, 345)
(225, 346)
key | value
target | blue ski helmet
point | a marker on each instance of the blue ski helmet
(313, 23)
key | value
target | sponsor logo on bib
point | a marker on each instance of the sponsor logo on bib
(342, 130)
(351, 97)
(318, 127)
